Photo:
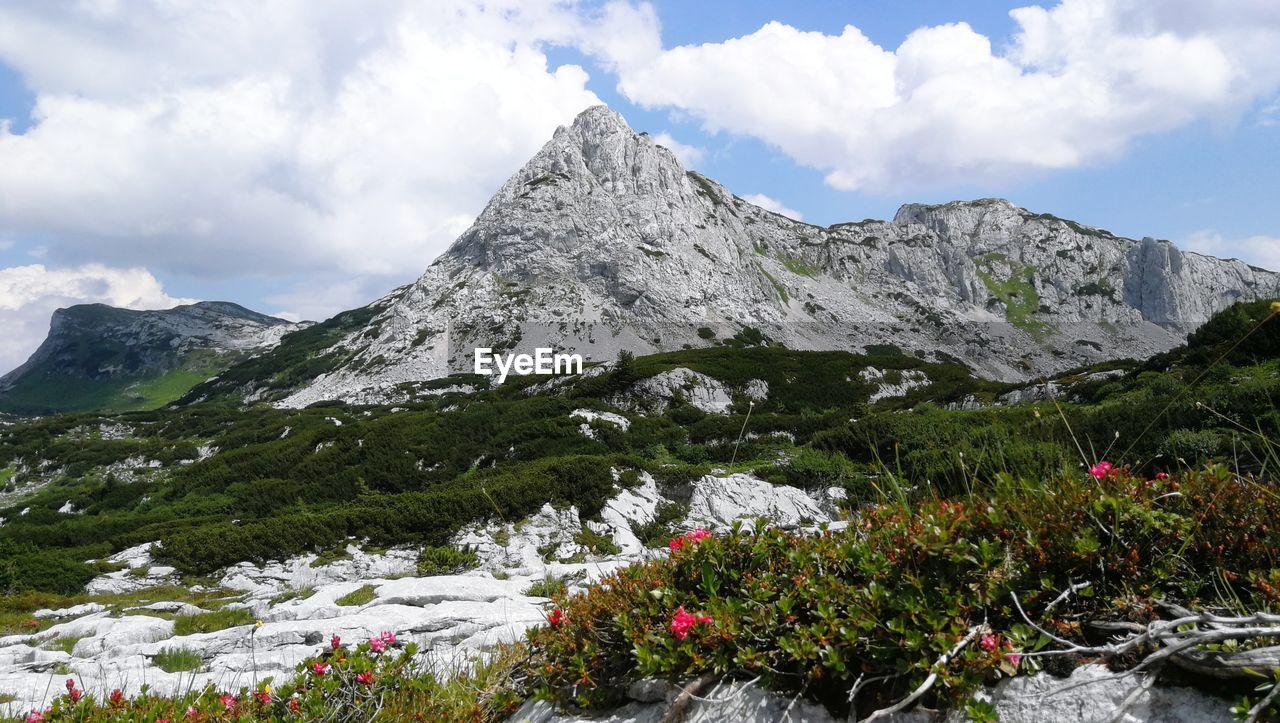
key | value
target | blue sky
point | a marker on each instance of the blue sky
(324, 153)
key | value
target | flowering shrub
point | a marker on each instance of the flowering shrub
(886, 599)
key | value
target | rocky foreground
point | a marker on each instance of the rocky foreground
(121, 639)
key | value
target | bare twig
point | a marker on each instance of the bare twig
(924, 687)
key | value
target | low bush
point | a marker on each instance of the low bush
(884, 601)
(446, 560)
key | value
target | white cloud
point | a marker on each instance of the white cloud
(689, 156)
(1076, 85)
(772, 204)
(1263, 251)
(29, 295)
(298, 136)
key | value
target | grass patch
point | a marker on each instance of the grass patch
(301, 593)
(1021, 302)
(65, 644)
(361, 596)
(212, 621)
(178, 660)
(549, 586)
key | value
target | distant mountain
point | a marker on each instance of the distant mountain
(101, 358)
(603, 241)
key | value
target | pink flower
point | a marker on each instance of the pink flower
(379, 643)
(75, 694)
(117, 697)
(293, 705)
(556, 618)
(320, 669)
(34, 716)
(162, 720)
(365, 678)
(1162, 475)
(335, 642)
(1014, 658)
(228, 701)
(192, 712)
(71, 685)
(987, 642)
(1101, 469)
(263, 697)
(683, 621)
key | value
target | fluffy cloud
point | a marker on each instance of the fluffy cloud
(1076, 85)
(1263, 251)
(29, 295)
(296, 136)
(772, 204)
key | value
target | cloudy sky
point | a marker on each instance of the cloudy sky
(305, 156)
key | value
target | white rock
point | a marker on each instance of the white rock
(719, 501)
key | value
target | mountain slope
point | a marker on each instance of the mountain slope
(99, 357)
(603, 241)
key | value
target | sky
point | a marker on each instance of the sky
(302, 157)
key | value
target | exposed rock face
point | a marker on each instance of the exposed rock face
(603, 241)
(94, 347)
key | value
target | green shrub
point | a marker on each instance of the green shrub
(446, 560)
(596, 543)
(883, 600)
(658, 531)
(1193, 446)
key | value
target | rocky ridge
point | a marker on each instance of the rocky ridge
(603, 241)
(95, 347)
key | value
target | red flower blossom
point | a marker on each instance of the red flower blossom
(320, 669)
(71, 685)
(117, 697)
(1101, 469)
(228, 701)
(683, 621)
(556, 618)
(335, 642)
(365, 678)
(689, 538)
(1162, 475)
(34, 716)
(263, 697)
(75, 694)
(988, 642)
(293, 705)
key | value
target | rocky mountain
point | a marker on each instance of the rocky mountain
(99, 357)
(603, 241)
